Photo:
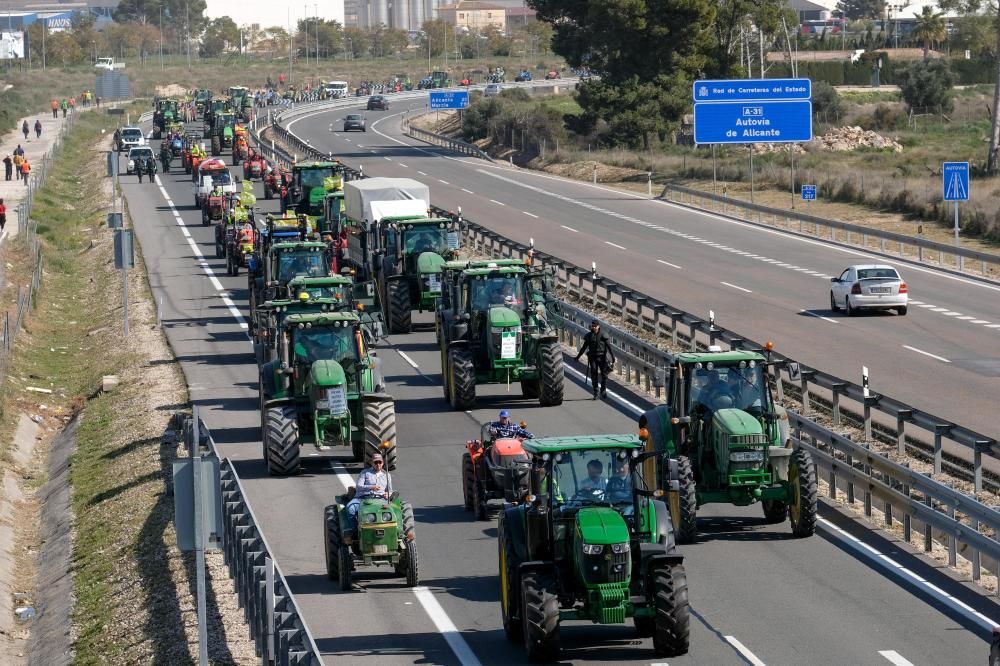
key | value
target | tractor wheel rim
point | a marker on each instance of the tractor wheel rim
(504, 601)
(795, 508)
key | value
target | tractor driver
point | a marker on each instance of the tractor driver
(505, 428)
(595, 477)
(247, 234)
(716, 393)
(373, 482)
(619, 488)
(335, 344)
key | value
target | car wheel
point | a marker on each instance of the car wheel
(833, 303)
(901, 311)
(847, 306)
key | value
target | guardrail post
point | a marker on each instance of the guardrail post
(674, 316)
(868, 490)
(928, 531)
(269, 653)
(952, 540)
(806, 375)
(902, 416)
(836, 388)
(976, 561)
(940, 429)
(693, 331)
(979, 447)
(869, 401)
(907, 517)
(849, 459)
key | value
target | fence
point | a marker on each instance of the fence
(25, 300)
(277, 628)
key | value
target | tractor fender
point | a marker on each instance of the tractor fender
(267, 379)
(669, 559)
(458, 332)
(545, 566)
(664, 526)
(514, 524)
(455, 344)
(376, 397)
(278, 402)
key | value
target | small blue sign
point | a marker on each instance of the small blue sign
(449, 99)
(809, 193)
(955, 181)
(752, 90)
(753, 122)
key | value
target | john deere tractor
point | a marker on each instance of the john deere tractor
(164, 115)
(724, 440)
(241, 102)
(495, 326)
(222, 131)
(322, 388)
(310, 183)
(590, 542)
(202, 100)
(283, 253)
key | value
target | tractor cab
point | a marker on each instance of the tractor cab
(310, 184)
(416, 249)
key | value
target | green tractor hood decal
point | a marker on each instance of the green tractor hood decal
(429, 262)
(326, 373)
(736, 422)
(227, 132)
(503, 317)
(601, 525)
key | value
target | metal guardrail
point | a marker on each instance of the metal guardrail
(277, 628)
(446, 142)
(852, 235)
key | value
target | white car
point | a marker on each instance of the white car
(492, 90)
(869, 287)
(129, 137)
(141, 153)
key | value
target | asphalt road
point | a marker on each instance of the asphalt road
(758, 596)
(943, 357)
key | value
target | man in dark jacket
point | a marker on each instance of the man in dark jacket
(600, 358)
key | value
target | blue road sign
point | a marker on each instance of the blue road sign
(752, 90)
(753, 122)
(955, 181)
(449, 99)
(809, 193)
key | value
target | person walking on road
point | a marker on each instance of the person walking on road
(24, 130)
(18, 158)
(72, 104)
(19, 150)
(55, 108)
(38, 129)
(600, 358)
(64, 105)
(25, 170)
(3, 216)
(8, 167)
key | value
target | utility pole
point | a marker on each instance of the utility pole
(187, 31)
(161, 37)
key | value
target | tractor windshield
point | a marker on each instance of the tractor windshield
(221, 178)
(309, 178)
(336, 343)
(425, 239)
(728, 387)
(301, 264)
(497, 289)
(335, 292)
(601, 477)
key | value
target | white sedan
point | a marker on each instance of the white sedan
(869, 287)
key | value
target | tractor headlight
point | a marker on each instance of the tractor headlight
(387, 516)
(619, 548)
(593, 548)
(370, 518)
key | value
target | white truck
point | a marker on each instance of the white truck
(368, 199)
(109, 64)
(336, 89)
(210, 174)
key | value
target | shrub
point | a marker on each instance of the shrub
(927, 85)
(826, 99)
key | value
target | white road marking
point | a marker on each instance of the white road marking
(939, 310)
(408, 359)
(443, 182)
(389, 159)
(614, 245)
(927, 305)
(992, 325)
(736, 287)
(467, 191)
(403, 165)
(744, 650)
(895, 658)
(979, 321)
(952, 313)
(634, 408)
(499, 203)
(569, 228)
(667, 263)
(921, 351)
(913, 302)
(965, 318)
(421, 172)
(819, 316)
(529, 214)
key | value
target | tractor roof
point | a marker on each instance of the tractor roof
(301, 166)
(463, 264)
(311, 305)
(495, 270)
(407, 222)
(581, 443)
(298, 245)
(323, 318)
(329, 280)
(720, 357)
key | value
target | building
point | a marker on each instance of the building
(266, 14)
(408, 15)
(520, 17)
(474, 16)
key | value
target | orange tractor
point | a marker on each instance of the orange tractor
(494, 471)
(241, 149)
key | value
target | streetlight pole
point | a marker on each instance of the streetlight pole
(316, 11)
(161, 36)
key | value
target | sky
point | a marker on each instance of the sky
(270, 13)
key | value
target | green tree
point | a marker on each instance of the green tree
(356, 42)
(436, 32)
(748, 22)
(927, 84)
(220, 34)
(861, 9)
(977, 34)
(929, 28)
(174, 12)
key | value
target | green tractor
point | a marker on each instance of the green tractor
(223, 131)
(241, 102)
(324, 388)
(386, 535)
(723, 439)
(278, 260)
(310, 184)
(496, 324)
(590, 542)
(440, 79)
(202, 100)
(166, 114)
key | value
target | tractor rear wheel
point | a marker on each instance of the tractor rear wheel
(530, 389)
(380, 427)
(468, 480)
(445, 374)
(671, 636)
(482, 512)
(462, 378)
(412, 565)
(510, 599)
(398, 295)
(775, 511)
(331, 541)
(216, 146)
(205, 221)
(344, 566)
(220, 249)
(540, 611)
(551, 375)
(802, 508)
(281, 439)
(686, 523)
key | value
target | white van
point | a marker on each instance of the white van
(336, 89)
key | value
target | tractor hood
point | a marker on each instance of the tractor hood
(503, 317)
(601, 525)
(326, 373)
(736, 422)
(429, 262)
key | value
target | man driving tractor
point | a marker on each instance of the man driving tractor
(373, 482)
(505, 428)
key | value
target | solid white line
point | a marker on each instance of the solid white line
(529, 214)
(499, 203)
(735, 287)
(446, 627)
(569, 228)
(467, 191)
(819, 316)
(667, 263)
(895, 658)
(408, 359)
(744, 650)
(402, 165)
(443, 182)
(614, 245)
(421, 172)
(952, 313)
(636, 409)
(387, 158)
(992, 325)
(921, 351)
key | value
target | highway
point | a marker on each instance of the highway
(758, 596)
(943, 357)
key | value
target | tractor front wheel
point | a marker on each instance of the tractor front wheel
(400, 315)
(344, 566)
(412, 565)
(380, 427)
(509, 597)
(281, 439)
(530, 389)
(671, 635)
(462, 379)
(802, 481)
(552, 375)
(479, 501)
(468, 480)
(686, 524)
(331, 541)
(540, 612)
(775, 511)
(220, 249)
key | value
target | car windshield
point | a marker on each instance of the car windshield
(338, 343)
(140, 154)
(221, 178)
(302, 264)
(495, 290)
(600, 477)
(877, 274)
(354, 116)
(728, 386)
(425, 239)
(132, 133)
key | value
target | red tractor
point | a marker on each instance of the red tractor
(275, 182)
(494, 471)
(254, 167)
(213, 208)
